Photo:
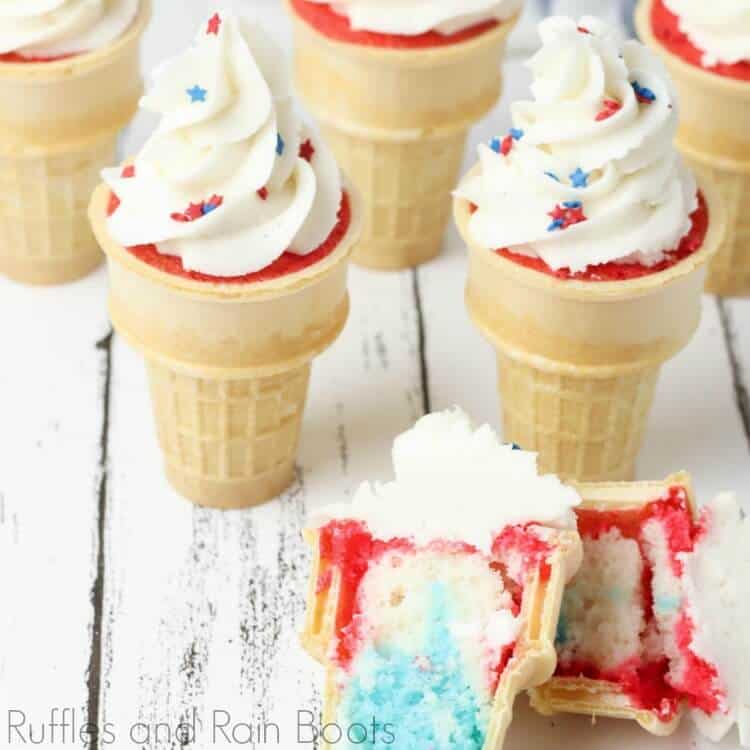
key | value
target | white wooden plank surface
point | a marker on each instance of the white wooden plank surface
(51, 395)
(199, 610)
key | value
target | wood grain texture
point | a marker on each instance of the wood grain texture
(180, 611)
(202, 609)
(51, 399)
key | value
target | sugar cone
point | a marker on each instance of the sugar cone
(579, 360)
(397, 121)
(714, 136)
(595, 698)
(59, 124)
(534, 657)
(229, 364)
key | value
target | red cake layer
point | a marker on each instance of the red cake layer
(349, 547)
(618, 271)
(650, 685)
(337, 27)
(14, 57)
(666, 28)
(287, 264)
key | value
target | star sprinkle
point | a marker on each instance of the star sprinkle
(566, 215)
(212, 204)
(198, 210)
(583, 30)
(307, 150)
(214, 24)
(552, 176)
(128, 171)
(280, 145)
(197, 94)
(610, 107)
(579, 178)
(642, 94)
(516, 446)
(504, 146)
(263, 194)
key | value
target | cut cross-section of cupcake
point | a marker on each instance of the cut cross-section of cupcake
(655, 621)
(434, 599)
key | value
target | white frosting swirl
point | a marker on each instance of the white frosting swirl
(457, 482)
(414, 17)
(587, 139)
(56, 28)
(721, 28)
(229, 140)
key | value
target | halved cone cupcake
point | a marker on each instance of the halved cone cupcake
(652, 626)
(428, 636)
(230, 299)
(714, 137)
(585, 272)
(59, 124)
(397, 120)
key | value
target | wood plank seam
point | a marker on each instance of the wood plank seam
(422, 343)
(94, 681)
(738, 376)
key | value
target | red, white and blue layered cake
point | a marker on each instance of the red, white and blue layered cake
(429, 581)
(660, 609)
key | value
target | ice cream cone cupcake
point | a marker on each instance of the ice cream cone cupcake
(396, 91)
(589, 243)
(431, 616)
(69, 83)
(706, 47)
(227, 240)
(654, 625)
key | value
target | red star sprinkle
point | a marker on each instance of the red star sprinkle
(216, 201)
(194, 211)
(179, 217)
(128, 171)
(583, 30)
(214, 24)
(610, 107)
(507, 145)
(307, 150)
(566, 215)
(263, 193)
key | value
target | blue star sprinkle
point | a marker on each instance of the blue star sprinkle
(516, 134)
(643, 94)
(515, 446)
(496, 144)
(197, 94)
(579, 178)
(280, 145)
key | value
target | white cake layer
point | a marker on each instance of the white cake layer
(602, 615)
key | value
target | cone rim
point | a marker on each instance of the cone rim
(407, 57)
(226, 292)
(46, 72)
(732, 86)
(605, 291)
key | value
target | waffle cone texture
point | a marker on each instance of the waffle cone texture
(532, 664)
(398, 121)
(579, 361)
(59, 124)
(714, 137)
(228, 364)
(596, 698)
